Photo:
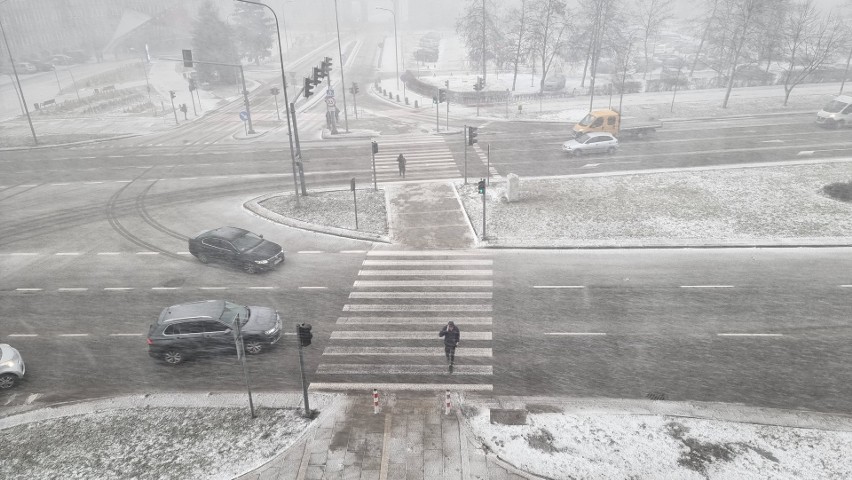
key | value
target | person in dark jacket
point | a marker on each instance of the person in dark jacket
(451, 336)
(401, 161)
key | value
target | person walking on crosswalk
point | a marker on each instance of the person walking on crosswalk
(451, 335)
(401, 161)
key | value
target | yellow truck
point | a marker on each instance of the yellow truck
(607, 120)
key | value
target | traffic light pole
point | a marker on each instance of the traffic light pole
(373, 154)
(438, 112)
(483, 215)
(246, 100)
(302, 370)
(465, 154)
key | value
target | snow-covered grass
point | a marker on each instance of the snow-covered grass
(335, 208)
(565, 444)
(703, 206)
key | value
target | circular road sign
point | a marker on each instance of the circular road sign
(329, 101)
(244, 116)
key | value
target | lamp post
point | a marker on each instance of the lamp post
(340, 57)
(286, 98)
(395, 43)
(18, 81)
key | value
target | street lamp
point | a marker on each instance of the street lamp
(395, 43)
(18, 81)
(286, 98)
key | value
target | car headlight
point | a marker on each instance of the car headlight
(261, 262)
(8, 364)
(272, 330)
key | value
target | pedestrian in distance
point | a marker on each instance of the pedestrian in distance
(451, 335)
(184, 110)
(401, 161)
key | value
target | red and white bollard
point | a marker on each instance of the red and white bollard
(375, 401)
(447, 410)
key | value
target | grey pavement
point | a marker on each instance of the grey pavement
(428, 215)
(410, 438)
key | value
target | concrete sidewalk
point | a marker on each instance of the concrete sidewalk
(411, 438)
(427, 215)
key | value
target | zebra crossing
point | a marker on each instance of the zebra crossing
(426, 158)
(387, 337)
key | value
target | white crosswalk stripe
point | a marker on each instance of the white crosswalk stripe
(424, 158)
(395, 321)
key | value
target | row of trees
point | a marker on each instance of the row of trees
(794, 36)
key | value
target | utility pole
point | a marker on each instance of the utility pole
(340, 56)
(18, 81)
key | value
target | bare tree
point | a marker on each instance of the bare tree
(809, 40)
(743, 19)
(477, 29)
(548, 32)
(707, 22)
(651, 15)
(517, 32)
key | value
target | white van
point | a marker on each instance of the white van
(837, 114)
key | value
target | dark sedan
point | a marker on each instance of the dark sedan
(236, 246)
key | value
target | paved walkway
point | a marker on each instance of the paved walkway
(424, 216)
(411, 438)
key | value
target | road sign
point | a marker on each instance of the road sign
(329, 101)
(244, 116)
(329, 92)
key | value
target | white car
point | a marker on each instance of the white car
(12, 366)
(592, 142)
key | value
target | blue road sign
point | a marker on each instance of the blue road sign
(244, 116)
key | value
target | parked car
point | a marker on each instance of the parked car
(190, 329)
(236, 246)
(12, 366)
(592, 142)
(26, 67)
(60, 59)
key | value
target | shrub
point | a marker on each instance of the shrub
(839, 191)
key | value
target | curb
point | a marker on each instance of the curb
(82, 142)
(254, 206)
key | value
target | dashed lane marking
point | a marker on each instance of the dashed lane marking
(438, 387)
(73, 335)
(261, 288)
(395, 335)
(575, 334)
(407, 351)
(28, 289)
(381, 369)
(462, 321)
(420, 295)
(418, 263)
(417, 273)
(423, 253)
(423, 283)
(706, 286)
(557, 286)
(417, 308)
(66, 254)
(749, 335)
(23, 335)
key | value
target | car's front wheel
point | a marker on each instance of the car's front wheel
(173, 357)
(249, 267)
(253, 346)
(7, 380)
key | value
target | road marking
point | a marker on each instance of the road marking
(772, 141)
(805, 152)
(117, 289)
(28, 289)
(313, 288)
(183, 253)
(124, 181)
(422, 283)
(125, 335)
(71, 289)
(391, 387)
(31, 398)
(706, 286)
(591, 165)
(406, 351)
(749, 334)
(379, 369)
(73, 335)
(846, 286)
(420, 295)
(413, 273)
(423, 253)
(384, 263)
(109, 253)
(416, 308)
(92, 183)
(261, 288)
(67, 253)
(310, 251)
(164, 288)
(212, 288)
(59, 184)
(413, 320)
(23, 335)
(558, 286)
(574, 334)
(353, 251)
(380, 335)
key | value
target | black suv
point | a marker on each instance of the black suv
(237, 247)
(208, 327)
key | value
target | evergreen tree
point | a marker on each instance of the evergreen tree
(254, 31)
(212, 41)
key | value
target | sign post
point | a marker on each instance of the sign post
(355, 201)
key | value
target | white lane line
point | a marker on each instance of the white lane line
(420, 295)
(418, 273)
(212, 288)
(261, 288)
(28, 289)
(28, 185)
(390, 387)
(147, 253)
(125, 335)
(575, 334)
(92, 183)
(183, 253)
(749, 334)
(71, 289)
(424, 253)
(353, 251)
(124, 181)
(423, 283)
(706, 286)
(31, 398)
(109, 253)
(406, 351)
(846, 286)
(391, 263)
(309, 251)
(117, 289)
(73, 335)
(313, 288)
(380, 335)
(379, 369)
(416, 308)
(558, 286)
(413, 320)
(59, 184)
(22, 335)
(164, 288)
(66, 253)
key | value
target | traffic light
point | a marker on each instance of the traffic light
(354, 88)
(305, 335)
(447, 83)
(480, 187)
(375, 147)
(274, 91)
(317, 75)
(172, 94)
(192, 85)
(471, 135)
(309, 87)
(326, 65)
(187, 58)
(442, 95)
(480, 84)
